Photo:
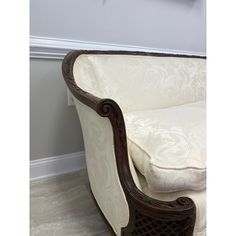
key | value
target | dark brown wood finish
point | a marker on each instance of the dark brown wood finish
(148, 216)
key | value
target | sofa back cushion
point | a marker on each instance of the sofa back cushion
(142, 82)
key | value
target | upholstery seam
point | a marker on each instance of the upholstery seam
(165, 168)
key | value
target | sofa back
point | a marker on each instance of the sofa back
(142, 82)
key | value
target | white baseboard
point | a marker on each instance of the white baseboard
(52, 166)
(57, 48)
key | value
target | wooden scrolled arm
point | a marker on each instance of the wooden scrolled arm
(177, 216)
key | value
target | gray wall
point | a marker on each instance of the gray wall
(54, 126)
(170, 24)
(166, 24)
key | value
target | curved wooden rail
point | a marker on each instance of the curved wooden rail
(148, 216)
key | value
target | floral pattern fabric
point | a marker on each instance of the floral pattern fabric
(142, 82)
(168, 146)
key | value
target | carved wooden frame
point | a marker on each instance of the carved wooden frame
(148, 216)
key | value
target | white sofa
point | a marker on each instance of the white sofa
(143, 122)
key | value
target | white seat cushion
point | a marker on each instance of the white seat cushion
(168, 146)
(199, 198)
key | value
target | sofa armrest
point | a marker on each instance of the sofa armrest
(179, 215)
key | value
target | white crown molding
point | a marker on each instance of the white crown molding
(57, 165)
(57, 48)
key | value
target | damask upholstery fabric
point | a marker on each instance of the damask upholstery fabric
(101, 166)
(199, 198)
(162, 99)
(168, 146)
(142, 82)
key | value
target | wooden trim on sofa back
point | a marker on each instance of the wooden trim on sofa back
(181, 210)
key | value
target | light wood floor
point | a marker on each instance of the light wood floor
(63, 206)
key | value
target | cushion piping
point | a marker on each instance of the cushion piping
(161, 167)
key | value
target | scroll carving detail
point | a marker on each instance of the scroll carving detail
(147, 216)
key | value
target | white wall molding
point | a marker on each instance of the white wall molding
(57, 165)
(56, 48)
